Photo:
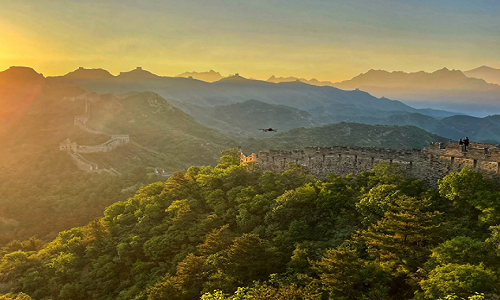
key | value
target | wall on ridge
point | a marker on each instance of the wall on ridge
(112, 143)
(428, 164)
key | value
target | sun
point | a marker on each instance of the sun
(18, 46)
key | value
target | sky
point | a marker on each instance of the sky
(324, 39)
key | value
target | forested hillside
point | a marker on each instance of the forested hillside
(242, 120)
(346, 134)
(42, 190)
(212, 231)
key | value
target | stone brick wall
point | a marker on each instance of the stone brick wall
(428, 164)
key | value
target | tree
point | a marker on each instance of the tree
(462, 280)
(343, 275)
(230, 157)
(379, 199)
(33, 244)
(404, 236)
(339, 270)
(464, 250)
(474, 198)
(215, 241)
(264, 292)
(20, 296)
(248, 259)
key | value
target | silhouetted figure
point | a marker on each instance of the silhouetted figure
(466, 143)
(461, 143)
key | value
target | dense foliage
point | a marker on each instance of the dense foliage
(231, 232)
(41, 198)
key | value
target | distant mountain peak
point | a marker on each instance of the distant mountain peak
(297, 82)
(376, 71)
(19, 75)
(235, 77)
(283, 79)
(83, 73)
(486, 73)
(209, 76)
(137, 73)
(484, 68)
(451, 74)
(22, 72)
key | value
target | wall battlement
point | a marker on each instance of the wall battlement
(428, 164)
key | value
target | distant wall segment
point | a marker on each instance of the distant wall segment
(112, 143)
(81, 121)
(428, 164)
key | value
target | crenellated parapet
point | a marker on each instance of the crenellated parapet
(477, 151)
(428, 164)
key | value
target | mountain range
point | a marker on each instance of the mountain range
(320, 101)
(223, 104)
(443, 89)
(451, 90)
(217, 104)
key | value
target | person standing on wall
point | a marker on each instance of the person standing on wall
(466, 143)
(461, 143)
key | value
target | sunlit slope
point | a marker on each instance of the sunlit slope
(156, 129)
(42, 189)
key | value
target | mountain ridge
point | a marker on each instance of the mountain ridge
(349, 134)
(486, 73)
(442, 89)
(210, 76)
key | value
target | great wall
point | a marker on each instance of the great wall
(428, 164)
(74, 150)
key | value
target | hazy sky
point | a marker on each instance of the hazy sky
(326, 39)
